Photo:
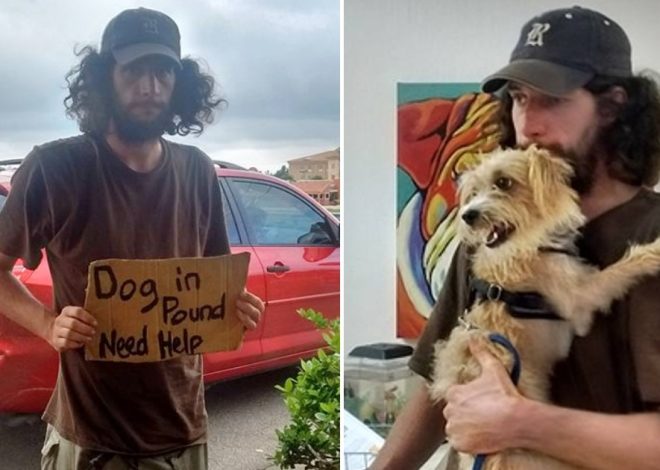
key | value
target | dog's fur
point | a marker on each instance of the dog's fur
(533, 207)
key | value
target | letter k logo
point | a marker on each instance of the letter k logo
(151, 26)
(535, 35)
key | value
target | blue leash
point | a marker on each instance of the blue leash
(502, 340)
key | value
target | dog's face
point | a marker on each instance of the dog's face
(518, 194)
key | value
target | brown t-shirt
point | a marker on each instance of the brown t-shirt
(82, 203)
(616, 367)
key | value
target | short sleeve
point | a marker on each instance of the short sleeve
(452, 300)
(644, 340)
(25, 218)
(217, 241)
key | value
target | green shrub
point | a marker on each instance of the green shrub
(312, 437)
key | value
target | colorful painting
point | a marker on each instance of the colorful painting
(442, 131)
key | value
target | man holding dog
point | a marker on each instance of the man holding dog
(119, 191)
(569, 86)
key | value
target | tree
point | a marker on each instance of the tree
(283, 173)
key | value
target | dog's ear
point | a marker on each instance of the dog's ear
(548, 177)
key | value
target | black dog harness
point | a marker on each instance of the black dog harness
(524, 305)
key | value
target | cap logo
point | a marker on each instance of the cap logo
(535, 35)
(151, 26)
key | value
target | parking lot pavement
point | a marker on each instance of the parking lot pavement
(243, 416)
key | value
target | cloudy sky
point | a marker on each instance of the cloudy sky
(277, 62)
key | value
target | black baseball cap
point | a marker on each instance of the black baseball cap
(140, 32)
(562, 50)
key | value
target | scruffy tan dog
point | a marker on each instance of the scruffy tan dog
(521, 218)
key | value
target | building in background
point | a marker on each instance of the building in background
(318, 176)
(326, 192)
(320, 166)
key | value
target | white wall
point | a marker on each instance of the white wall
(388, 41)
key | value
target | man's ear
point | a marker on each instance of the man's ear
(609, 104)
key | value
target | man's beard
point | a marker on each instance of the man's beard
(132, 130)
(584, 167)
(584, 162)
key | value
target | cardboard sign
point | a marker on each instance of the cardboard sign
(154, 310)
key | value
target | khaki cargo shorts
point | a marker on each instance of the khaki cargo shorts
(60, 454)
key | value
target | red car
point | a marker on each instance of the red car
(294, 247)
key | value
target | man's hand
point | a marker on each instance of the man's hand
(249, 309)
(71, 329)
(481, 414)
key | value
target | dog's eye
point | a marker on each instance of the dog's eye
(503, 183)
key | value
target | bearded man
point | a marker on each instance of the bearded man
(569, 86)
(119, 190)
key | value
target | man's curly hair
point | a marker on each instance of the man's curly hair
(632, 141)
(91, 95)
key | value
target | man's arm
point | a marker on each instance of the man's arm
(592, 440)
(417, 432)
(420, 428)
(489, 415)
(71, 329)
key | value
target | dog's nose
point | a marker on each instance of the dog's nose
(470, 216)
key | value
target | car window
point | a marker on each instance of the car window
(275, 216)
(230, 222)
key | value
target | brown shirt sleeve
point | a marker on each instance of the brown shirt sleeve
(25, 218)
(453, 299)
(616, 367)
(644, 309)
(217, 242)
(644, 324)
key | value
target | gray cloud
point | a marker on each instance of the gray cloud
(277, 64)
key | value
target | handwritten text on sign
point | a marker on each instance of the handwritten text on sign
(153, 310)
